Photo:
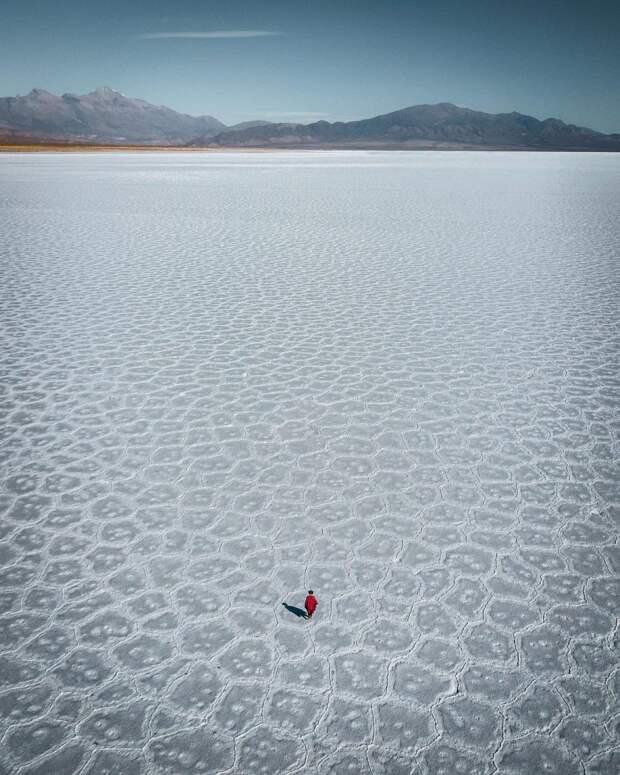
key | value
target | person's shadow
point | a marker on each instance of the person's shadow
(297, 611)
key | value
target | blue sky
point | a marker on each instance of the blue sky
(337, 60)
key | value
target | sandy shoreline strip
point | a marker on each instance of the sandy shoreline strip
(76, 148)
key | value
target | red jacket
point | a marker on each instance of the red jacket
(311, 604)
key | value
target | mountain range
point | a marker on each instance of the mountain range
(107, 116)
(423, 126)
(103, 115)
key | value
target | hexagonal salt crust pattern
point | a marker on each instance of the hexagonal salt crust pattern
(389, 377)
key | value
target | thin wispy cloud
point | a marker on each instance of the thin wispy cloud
(208, 35)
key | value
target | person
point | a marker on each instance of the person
(310, 604)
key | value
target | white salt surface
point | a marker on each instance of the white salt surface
(228, 378)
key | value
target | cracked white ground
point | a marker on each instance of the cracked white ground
(229, 378)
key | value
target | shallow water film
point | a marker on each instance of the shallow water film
(228, 378)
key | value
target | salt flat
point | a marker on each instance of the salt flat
(232, 377)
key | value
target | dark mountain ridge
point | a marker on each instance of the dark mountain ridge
(107, 116)
(102, 115)
(423, 126)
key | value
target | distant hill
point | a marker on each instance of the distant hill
(422, 126)
(247, 125)
(103, 115)
(107, 116)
